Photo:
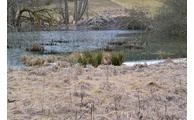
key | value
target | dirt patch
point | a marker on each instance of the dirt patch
(157, 91)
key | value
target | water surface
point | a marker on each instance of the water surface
(76, 41)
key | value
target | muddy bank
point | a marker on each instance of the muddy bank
(156, 91)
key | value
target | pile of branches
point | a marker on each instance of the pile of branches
(113, 23)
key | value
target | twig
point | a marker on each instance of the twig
(165, 111)
(138, 101)
(184, 118)
(115, 101)
(83, 114)
(140, 116)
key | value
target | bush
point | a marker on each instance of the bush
(171, 20)
(139, 19)
(117, 58)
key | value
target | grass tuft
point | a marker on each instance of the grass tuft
(117, 58)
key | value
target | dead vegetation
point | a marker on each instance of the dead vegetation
(32, 61)
(107, 92)
(35, 47)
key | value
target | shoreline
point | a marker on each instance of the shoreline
(129, 63)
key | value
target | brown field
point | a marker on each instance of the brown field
(147, 92)
(109, 7)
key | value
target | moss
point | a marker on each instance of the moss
(96, 91)
(145, 92)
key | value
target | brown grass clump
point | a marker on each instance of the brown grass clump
(24, 57)
(32, 61)
(106, 58)
(74, 56)
(35, 47)
(62, 64)
(51, 59)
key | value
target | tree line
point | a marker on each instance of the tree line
(31, 11)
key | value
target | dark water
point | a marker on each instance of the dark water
(66, 41)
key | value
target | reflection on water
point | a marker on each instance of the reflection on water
(77, 41)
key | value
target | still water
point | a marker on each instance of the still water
(64, 41)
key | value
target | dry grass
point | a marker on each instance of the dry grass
(156, 92)
(32, 61)
(74, 56)
(151, 5)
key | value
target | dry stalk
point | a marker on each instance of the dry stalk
(107, 74)
(180, 84)
(76, 114)
(138, 102)
(43, 96)
(115, 103)
(82, 95)
(165, 111)
(70, 97)
(139, 115)
(92, 111)
(15, 108)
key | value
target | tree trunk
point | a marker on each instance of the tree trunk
(62, 11)
(75, 11)
(66, 12)
(87, 10)
(79, 8)
(83, 9)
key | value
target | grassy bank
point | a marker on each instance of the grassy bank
(150, 5)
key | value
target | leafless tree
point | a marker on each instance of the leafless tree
(64, 14)
(75, 11)
(79, 9)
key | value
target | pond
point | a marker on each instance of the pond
(64, 41)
